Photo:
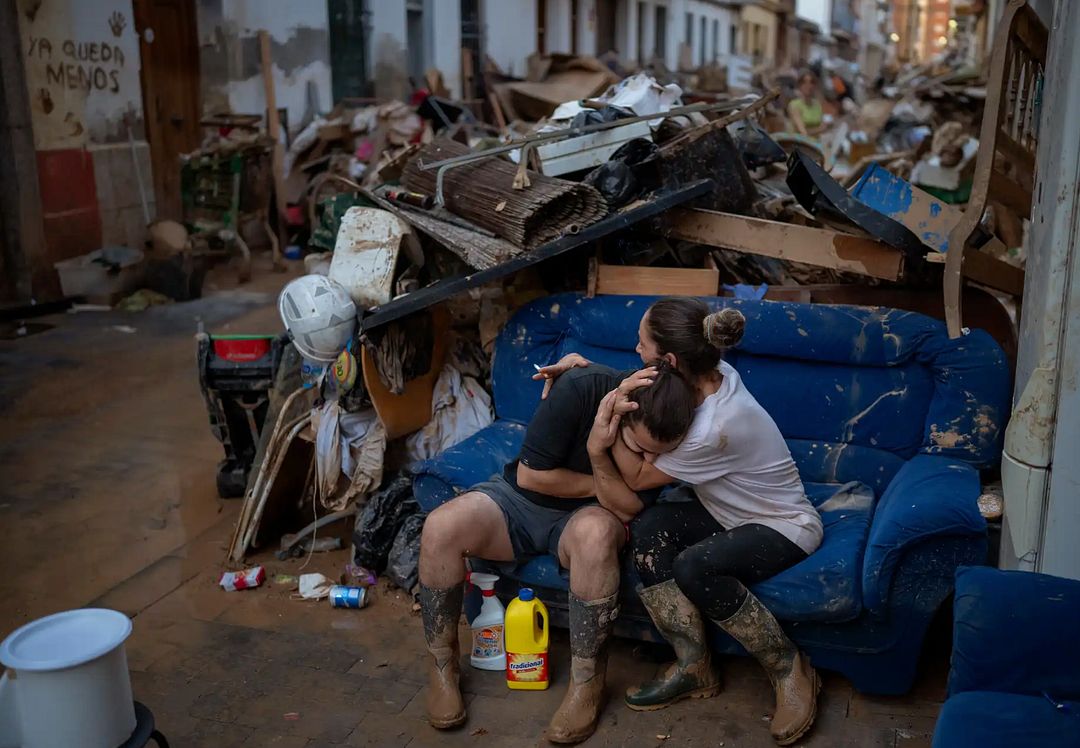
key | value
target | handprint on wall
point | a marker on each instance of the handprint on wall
(117, 22)
(46, 100)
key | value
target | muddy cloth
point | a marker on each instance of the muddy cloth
(712, 566)
(559, 430)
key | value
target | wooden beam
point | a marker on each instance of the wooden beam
(785, 241)
(273, 128)
(628, 280)
(987, 270)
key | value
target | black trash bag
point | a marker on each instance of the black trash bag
(625, 176)
(404, 564)
(756, 147)
(380, 520)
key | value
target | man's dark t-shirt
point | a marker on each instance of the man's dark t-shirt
(559, 430)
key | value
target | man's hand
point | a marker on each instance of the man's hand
(551, 372)
(605, 428)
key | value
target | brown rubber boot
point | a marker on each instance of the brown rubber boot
(590, 627)
(692, 676)
(795, 682)
(441, 610)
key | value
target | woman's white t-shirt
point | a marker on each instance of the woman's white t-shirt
(740, 467)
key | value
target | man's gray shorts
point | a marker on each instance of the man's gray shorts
(534, 529)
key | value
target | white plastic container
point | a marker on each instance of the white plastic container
(488, 639)
(366, 253)
(67, 682)
(103, 275)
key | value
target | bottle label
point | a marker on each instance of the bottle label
(527, 668)
(488, 641)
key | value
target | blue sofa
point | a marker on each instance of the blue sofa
(1015, 676)
(874, 395)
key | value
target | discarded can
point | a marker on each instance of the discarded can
(347, 597)
(242, 580)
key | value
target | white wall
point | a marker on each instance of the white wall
(231, 73)
(817, 11)
(509, 33)
(446, 42)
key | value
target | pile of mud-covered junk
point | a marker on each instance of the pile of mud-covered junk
(429, 222)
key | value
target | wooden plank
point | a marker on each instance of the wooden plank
(1016, 154)
(1008, 191)
(785, 241)
(629, 280)
(273, 127)
(987, 270)
(496, 109)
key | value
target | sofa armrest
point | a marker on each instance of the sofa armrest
(467, 463)
(929, 497)
(1015, 631)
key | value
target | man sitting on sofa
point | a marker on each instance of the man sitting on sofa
(563, 496)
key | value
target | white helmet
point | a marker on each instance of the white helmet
(319, 316)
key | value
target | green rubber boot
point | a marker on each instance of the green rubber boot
(692, 675)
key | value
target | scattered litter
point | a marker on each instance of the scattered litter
(478, 732)
(124, 328)
(291, 716)
(142, 300)
(285, 579)
(358, 576)
(348, 597)
(314, 586)
(663, 737)
(232, 581)
(382, 664)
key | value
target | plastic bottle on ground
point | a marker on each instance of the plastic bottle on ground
(527, 643)
(488, 648)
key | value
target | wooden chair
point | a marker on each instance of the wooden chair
(1009, 127)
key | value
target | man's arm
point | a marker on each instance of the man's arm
(611, 490)
(558, 482)
(638, 474)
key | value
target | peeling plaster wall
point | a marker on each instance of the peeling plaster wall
(82, 74)
(230, 68)
(82, 71)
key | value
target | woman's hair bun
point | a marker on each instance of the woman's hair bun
(724, 329)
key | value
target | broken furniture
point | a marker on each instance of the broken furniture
(222, 189)
(874, 395)
(441, 290)
(1015, 675)
(236, 373)
(1010, 126)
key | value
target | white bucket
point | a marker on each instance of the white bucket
(67, 682)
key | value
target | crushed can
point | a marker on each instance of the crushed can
(347, 597)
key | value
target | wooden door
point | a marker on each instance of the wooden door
(168, 45)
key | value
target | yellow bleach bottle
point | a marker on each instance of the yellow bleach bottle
(526, 632)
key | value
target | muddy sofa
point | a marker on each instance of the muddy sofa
(873, 395)
(1015, 674)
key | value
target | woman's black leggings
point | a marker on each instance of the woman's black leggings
(712, 566)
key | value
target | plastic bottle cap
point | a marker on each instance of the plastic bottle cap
(487, 593)
(526, 594)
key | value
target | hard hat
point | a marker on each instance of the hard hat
(319, 316)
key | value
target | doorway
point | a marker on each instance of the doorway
(349, 31)
(169, 74)
(605, 27)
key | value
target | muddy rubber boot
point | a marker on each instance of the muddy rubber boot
(441, 610)
(692, 675)
(795, 682)
(590, 628)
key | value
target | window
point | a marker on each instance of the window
(733, 39)
(688, 35)
(701, 42)
(541, 26)
(715, 40)
(660, 47)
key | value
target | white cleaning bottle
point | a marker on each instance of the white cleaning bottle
(488, 643)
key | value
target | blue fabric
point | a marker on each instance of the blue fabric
(475, 459)
(987, 719)
(1016, 631)
(874, 377)
(874, 395)
(929, 497)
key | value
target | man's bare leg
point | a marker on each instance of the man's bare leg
(589, 548)
(470, 525)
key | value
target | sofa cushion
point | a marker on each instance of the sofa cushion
(467, 463)
(872, 377)
(990, 719)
